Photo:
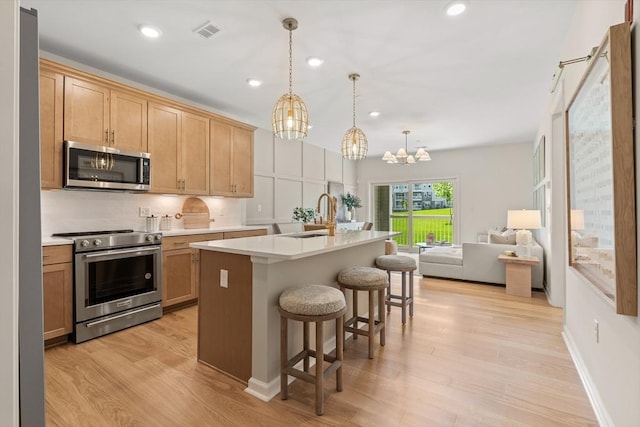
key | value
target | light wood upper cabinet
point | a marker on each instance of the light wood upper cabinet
(165, 134)
(128, 116)
(195, 154)
(86, 112)
(51, 143)
(99, 115)
(231, 160)
(179, 147)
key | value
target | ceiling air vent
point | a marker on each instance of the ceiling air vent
(206, 30)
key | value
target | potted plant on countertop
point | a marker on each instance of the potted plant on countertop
(304, 214)
(351, 202)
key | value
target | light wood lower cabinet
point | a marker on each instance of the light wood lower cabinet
(57, 291)
(181, 266)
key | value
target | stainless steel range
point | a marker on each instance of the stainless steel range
(117, 281)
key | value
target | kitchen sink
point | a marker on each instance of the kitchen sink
(304, 235)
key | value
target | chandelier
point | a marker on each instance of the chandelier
(289, 119)
(403, 158)
(354, 142)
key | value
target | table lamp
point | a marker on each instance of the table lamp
(524, 220)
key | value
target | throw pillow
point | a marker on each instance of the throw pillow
(500, 238)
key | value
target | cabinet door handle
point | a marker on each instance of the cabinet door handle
(106, 136)
(113, 137)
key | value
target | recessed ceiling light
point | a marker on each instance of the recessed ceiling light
(374, 113)
(309, 127)
(314, 61)
(149, 31)
(254, 82)
(456, 7)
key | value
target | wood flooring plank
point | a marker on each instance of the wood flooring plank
(470, 356)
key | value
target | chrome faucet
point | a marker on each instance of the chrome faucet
(331, 214)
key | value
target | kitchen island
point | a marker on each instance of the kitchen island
(240, 283)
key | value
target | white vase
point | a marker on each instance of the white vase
(347, 215)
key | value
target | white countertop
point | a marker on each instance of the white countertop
(286, 247)
(54, 241)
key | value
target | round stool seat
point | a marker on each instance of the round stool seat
(396, 262)
(312, 300)
(363, 278)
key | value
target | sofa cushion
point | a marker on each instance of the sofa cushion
(442, 255)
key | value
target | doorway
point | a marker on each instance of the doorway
(422, 211)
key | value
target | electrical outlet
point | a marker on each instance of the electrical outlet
(144, 211)
(224, 278)
(596, 331)
(259, 207)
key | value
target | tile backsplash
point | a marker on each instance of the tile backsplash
(78, 210)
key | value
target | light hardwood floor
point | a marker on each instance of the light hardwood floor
(471, 356)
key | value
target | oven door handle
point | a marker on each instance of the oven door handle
(140, 310)
(118, 252)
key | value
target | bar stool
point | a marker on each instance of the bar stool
(371, 280)
(312, 303)
(405, 265)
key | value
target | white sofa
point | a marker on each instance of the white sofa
(477, 262)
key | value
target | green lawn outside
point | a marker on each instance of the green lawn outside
(438, 223)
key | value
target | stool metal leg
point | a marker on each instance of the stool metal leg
(284, 359)
(319, 371)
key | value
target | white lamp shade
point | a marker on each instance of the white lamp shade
(577, 219)
(410, 159)
(524, 219)
(387, 156)
(401, 154)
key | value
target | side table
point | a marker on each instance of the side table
(518, 270)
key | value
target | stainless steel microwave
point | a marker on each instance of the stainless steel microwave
(105, 168)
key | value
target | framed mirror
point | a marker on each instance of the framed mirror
(601, 174)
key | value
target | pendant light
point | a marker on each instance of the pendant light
(354, 142)
(290, 119)
(403, 158)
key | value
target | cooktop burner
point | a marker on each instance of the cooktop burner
(91, 233)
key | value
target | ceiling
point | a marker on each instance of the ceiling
(479, 78)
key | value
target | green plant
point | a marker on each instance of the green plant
(351, 201)
(304, 214)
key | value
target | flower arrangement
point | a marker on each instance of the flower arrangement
(304, 214)
(351, 201)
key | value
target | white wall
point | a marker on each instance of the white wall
(9, 66)
(77, 210)
(491, 180)
(610, 369)
(291, 174)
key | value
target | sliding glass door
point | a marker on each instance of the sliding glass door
(422, 211)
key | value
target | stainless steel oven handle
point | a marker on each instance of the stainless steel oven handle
(117, 252)
(140, 310)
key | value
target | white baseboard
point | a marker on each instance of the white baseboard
(604, 419)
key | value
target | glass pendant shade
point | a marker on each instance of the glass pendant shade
(290, 119)
(354, 144)
(354, 141)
